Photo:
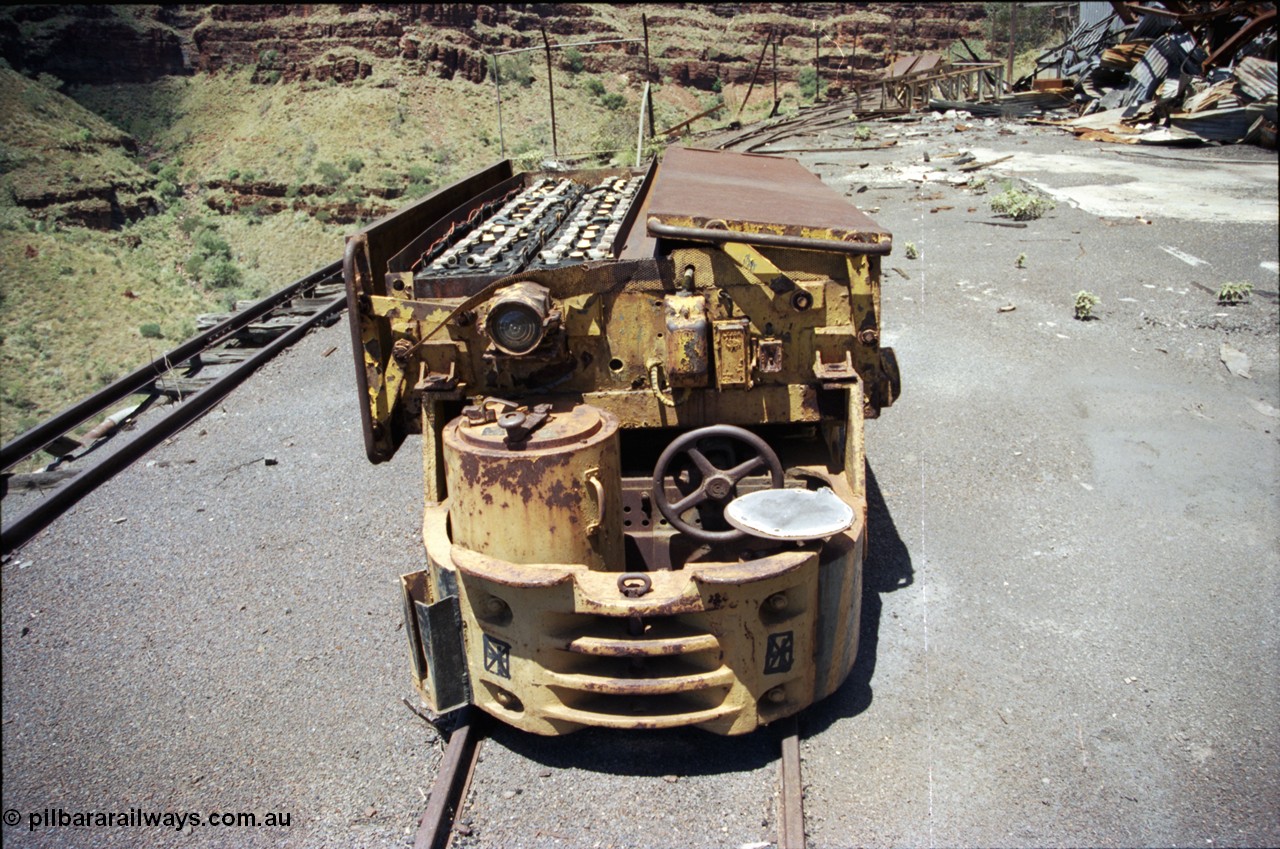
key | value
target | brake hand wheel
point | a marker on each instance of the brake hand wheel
(717, 484)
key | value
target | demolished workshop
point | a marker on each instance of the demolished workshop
(1168, 73)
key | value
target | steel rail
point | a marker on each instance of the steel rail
(791, 796)
(452, 779)
(28, 524)
(40, 436)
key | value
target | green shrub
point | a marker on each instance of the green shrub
(355, 165)
(220, 273)
(571, 60)
(517, 68)
(210, 262)
(807, 79)
(210, 244)
(613, 101)
(594, 87)
(1019, 205)
(330, 173)
(150, 330)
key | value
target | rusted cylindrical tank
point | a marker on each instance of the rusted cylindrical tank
(552, 497)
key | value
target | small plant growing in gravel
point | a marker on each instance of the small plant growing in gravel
(862, 132)
(1019, 205)
(1085, 302)
(910, 250)
(150, 330)
(1021, 261)
(1234, 293)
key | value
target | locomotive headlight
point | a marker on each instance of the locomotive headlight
(515, 328)
(518, 318)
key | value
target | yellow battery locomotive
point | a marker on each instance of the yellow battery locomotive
(641, 396)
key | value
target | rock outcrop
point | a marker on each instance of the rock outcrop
(105, 44)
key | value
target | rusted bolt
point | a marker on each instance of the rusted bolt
(400, 351)
(718, 487)
(634, 584)
(869, 336)
(777, 602)
(507, 700)
(776, 696)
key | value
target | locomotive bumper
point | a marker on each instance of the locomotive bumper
(552, 648)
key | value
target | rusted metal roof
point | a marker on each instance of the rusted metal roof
(914, 64)
(712, 195)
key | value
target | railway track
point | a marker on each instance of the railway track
(453, 781)
(175, 388)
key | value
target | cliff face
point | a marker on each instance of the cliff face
(95, 44)
(691, 44)
(696, 46)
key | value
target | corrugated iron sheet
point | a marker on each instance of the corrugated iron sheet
(1257, 77)
(1227, 125)
(1165, 57)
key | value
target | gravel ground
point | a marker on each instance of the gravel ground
(1072, 585)
(1073, 579)
(209, 633)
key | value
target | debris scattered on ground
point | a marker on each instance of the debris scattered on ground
(1187, 73)
(1236, 361)
(1177, 73)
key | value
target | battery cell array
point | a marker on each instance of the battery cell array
(548, 224)
(592, 226)
(505, 242)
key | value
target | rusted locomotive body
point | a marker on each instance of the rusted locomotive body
(641, 396)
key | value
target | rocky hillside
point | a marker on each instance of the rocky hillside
(161, 161)
(692, 43)
(91, 52)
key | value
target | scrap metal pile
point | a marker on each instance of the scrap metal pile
(1173, 73)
